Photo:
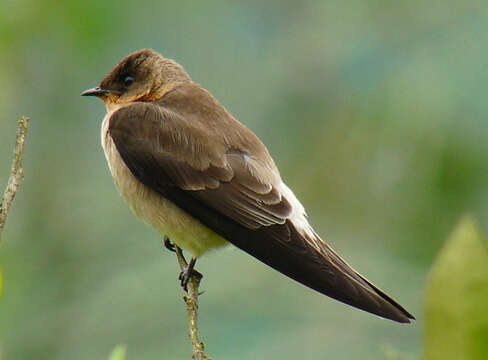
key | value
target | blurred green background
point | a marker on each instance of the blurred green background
(374, 111)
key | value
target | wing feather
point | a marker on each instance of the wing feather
(226, 181)
(229, 182)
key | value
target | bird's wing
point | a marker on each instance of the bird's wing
(240, 197)
(162, 151)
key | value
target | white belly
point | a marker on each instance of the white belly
(183, 229)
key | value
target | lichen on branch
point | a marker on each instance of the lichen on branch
(16, 172)
(191, 301)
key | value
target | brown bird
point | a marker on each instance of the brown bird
(187, 167)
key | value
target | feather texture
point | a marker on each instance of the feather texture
(206, 163)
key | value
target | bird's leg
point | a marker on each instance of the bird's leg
(188, 272)
(168, 244)
(187, 269)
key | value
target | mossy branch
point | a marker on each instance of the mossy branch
(16, 173)
(191, 301)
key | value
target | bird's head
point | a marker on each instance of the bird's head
(141, 76)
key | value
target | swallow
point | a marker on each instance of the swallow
(188, 168)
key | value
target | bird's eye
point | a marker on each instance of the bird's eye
(128, 81)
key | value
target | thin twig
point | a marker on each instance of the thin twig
(192, 308)
(16, 173)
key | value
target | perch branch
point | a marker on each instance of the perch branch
(192, 306)
(16, 173)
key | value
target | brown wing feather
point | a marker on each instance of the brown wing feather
(190, 162)
(223, 180)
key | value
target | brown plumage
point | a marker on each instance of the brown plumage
(196, 174)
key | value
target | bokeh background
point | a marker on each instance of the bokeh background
(374, 111)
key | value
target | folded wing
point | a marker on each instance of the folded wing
(238, 195)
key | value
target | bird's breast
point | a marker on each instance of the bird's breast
(168, 219)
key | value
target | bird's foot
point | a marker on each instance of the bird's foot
(169, 245)
(188, 273)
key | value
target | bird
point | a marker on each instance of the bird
(188, 168)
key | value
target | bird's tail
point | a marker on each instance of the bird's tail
(300, 255)
(329, 274)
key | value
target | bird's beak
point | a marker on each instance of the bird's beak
(96, 91)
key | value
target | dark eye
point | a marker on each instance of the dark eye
(128, 81)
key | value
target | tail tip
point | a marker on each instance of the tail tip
(404, 318)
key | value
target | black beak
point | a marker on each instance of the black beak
(96, 91)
